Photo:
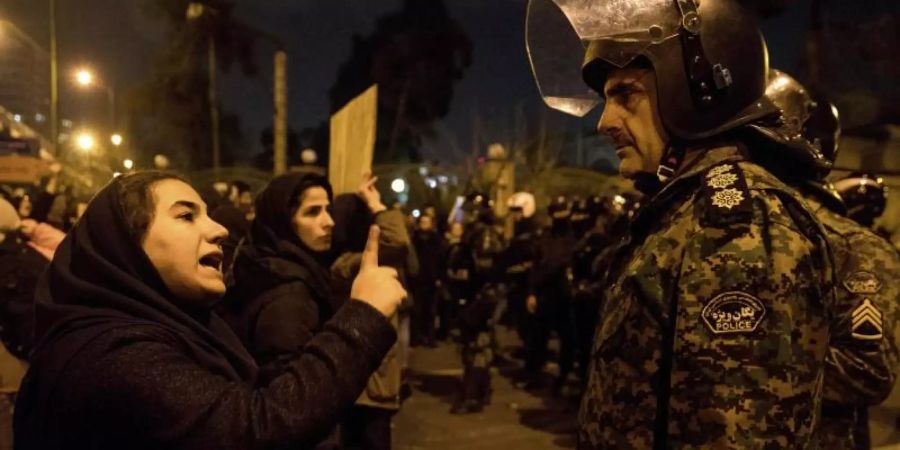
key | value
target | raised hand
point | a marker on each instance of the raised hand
(369, 194)
(375, 285)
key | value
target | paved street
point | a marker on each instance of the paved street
(515, 419)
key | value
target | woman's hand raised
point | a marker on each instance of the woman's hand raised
(377, 286)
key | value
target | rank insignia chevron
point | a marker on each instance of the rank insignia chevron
(867, 322)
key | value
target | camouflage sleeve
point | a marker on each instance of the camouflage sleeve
(863, 358)
(751, 334)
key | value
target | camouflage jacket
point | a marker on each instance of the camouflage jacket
(729, 258)
(862, 359)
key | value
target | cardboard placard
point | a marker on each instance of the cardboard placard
(353, 141)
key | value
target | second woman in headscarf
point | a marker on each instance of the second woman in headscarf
(281, 295)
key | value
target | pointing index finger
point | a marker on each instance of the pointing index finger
(370, 254)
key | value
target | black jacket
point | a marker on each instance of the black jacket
(277, 304)
(429, 247)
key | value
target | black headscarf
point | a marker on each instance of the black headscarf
(272, 254)
(101, 279)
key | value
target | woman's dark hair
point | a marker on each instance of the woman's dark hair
(309, 181)
(277, 203)
(135, 195)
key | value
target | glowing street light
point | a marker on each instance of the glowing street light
(84, 77)
(128, 164)
(85, 141)
(116, 139)
(195, 10)
(398, 185)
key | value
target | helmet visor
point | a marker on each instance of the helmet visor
(562, 35)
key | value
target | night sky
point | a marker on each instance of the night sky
(118, 41)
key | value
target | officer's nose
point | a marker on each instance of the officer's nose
(610, 123)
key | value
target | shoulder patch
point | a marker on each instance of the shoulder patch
(733, 312)
(862, 282)
(726, 195)
(867, 322)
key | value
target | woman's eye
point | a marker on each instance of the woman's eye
(189, 217)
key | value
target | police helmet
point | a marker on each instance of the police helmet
(865, 196)
(580, 209)
(824, 127)
(709, 58)
(559, 208)
(522, 202)
(804, 127)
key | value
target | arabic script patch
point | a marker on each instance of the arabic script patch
(733, 312)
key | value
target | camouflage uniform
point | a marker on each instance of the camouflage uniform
(585, 265)
(863, 357)
(727, 257)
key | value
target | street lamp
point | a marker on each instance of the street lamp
(85, 141)
(128, 164)
(116, 139)
(86, 79)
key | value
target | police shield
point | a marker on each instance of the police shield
(563, 34)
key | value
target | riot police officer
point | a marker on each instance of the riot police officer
(862, 361)
(518, 259)
(484, 242)
(550, 301)
(587, 268)
(581, 219)
(710, 334)
(459, 283)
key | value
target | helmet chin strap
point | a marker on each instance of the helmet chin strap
(671, 161)
(650, 183)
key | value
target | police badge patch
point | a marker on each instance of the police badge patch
(733, 312)
(862, 283)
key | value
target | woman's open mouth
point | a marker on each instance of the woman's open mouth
(213, 260)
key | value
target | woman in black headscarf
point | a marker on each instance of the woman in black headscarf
(129, 354)
(281, 293)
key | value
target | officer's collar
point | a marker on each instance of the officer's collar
(696, 163)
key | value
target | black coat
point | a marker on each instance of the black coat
(20, 268)
(119, 365)
(279, 301)
(430, 246)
